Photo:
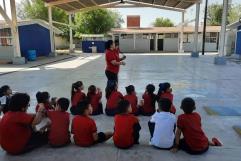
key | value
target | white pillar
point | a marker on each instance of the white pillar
(195, 52)
(220, 60)
(71, 47)
(14, 28)
(51, 31)
(156, 42)
(181, 34)
(134, 39)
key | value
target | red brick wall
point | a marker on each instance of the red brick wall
(133, 21)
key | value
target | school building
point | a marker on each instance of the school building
(163, 39)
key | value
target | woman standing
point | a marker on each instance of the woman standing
(113, 62)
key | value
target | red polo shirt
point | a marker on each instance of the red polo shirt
(190, 125)
(169, 96)
(59, 129)
(111, 55)
(83, 128)
(78, 96)
(123, 131)
(149, 103)
(133, 101)
(15, 131)
(114, 99)
(95, 100)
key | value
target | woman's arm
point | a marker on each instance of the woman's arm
(114, 62)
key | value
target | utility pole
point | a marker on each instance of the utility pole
(204, 27)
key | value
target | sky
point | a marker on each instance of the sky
(148, 15)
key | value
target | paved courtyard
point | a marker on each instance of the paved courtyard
(199, 78)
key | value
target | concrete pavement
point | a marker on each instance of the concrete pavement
(196, 77)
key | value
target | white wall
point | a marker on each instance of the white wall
(6, 53)
(170, 44)
(141, 45)
(61, 43)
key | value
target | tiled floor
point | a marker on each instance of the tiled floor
(199, 78)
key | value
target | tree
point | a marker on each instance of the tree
(214, 14)
(35, 9)
(98, 21)
(163, 22)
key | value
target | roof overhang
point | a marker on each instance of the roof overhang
(73, 6)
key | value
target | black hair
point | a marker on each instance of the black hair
(63, 103)
(81, 107)
(117, 42)
(150, 88)
(108, 44)
(111, 86)
(92, 89)
(3, 90)
(123, 106)
(164, 104)
(163, 87)
(74, 87)
(188, 105)
(130, 89)
(42, 97)
(19, 101)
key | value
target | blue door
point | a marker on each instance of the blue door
(238, 43)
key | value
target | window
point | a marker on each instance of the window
(211, 37)
(127, 36)
(187, 38)
(171, 35)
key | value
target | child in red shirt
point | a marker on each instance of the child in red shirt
(77, 95)
(84, 128)
(113, 97)
(43, 98)
(94, 96)
(59, 134)
(132, 98)
(148, 105)
(165, 91)
(127, 127)
(189, 124)
(17, 136)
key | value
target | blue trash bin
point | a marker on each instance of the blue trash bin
(31, 55)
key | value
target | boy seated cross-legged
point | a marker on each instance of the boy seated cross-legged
(84, 128)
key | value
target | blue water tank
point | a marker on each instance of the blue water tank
(31, 55)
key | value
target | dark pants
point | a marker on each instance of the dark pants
(36, 140)
(111, 76)
(101, 137)
(183, 145)
(111, 112)
(141, 112)
(99, 110)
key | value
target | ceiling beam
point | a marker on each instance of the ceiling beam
(59, 2)
(93, 1)
(154, 6)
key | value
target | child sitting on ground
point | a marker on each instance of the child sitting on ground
(148, 105)
(113, 97)
(59, 134)
(132, 98)
(43, 98)
(165, 91)
(84, 128)
(94, 97)
(5, 96)
(126, 128)
(16, 125)
(162, 126)
(77, 95)
(194, 140)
